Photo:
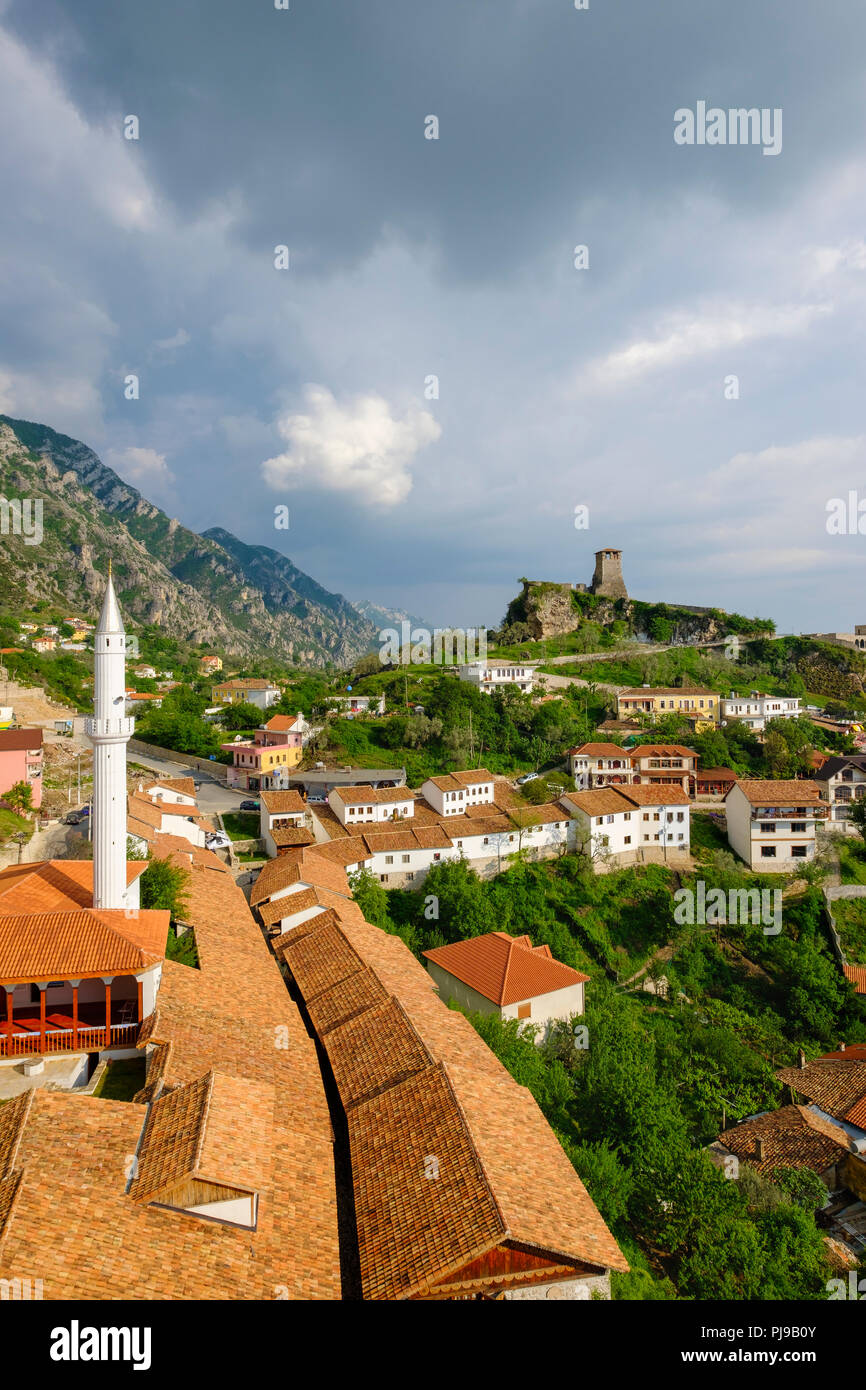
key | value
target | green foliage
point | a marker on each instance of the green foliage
(182, 948)
(241, 715)
(19, 797)
(163, 886)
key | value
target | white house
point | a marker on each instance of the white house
(842, 781)
(599, 765)
(772, 824)
(489, 675)
(626, 824)
(359, 805)
(358, 704)
(507, 975)
(453, 793)
(756, 710)
(282, 821)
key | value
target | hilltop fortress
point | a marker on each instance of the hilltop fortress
(550, 610)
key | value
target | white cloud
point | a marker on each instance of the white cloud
(177, 340)
(684, 336)
(359, 448)
(140, 467)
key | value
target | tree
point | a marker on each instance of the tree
(163, 887)
(19, 797)
(856, 815)
(241, 715)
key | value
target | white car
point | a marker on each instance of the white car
(527, 777)
(217, 840)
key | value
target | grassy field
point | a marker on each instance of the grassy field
(11, 824)
(852, 861)
(241, 825)
(121, 1080)
(850, 917)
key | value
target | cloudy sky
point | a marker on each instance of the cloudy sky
(411, 258)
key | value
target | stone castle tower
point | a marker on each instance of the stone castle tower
(607, 580)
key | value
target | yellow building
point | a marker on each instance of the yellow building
(693, 703)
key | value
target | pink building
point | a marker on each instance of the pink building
(21, 761)
(275, 747)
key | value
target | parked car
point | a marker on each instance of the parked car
(249, 806)
(527, 777)
(76, 817)
(217, 840)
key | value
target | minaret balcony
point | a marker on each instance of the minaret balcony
(109, 728)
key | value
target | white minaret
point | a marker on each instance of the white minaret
(109, 731)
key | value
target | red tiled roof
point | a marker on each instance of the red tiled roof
(53, 885)
(505, 969)
(80, 944)
(19, 740)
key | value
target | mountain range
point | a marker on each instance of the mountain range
(212, 590)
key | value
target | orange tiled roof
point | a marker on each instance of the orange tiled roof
(662, 750)
(80, 944)
(600, 801)
(837, 1084)
(794, 792)
(599, 750)
(857, 975)
(184, 785)
(291, 835)
(351, 796)
(53, 885)
(281, 723)
(283, 803)
(792, 1137)
(505, 969)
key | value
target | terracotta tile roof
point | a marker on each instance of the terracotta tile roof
(502, 1175)
(53, 885)
(716, 774)
(377, 1049)
(283, 803)
(792, 1137)
(599, 750)
(685, 690)
(246, 683)
(600, 801)
(80, 944)
(287, 906)
(281, 723)
(505, 969)
(20, 740)
(351, 849)
(184, 785)
(797, 792)
(662, 750)
(857, 975)
(192, 1134)
(351, 796)
(276, 874)
(473, 778)
(291, 835)
(344, 1001)
(414, 1228)
(648, 795)
(836, 1084)
(461, 827)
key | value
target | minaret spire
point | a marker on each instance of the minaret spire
(109, 731)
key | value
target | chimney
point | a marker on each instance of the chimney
(801, 1059)
(760, 1153)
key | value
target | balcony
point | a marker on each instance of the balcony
(24, 1036)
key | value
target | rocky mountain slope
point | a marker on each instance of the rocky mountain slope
(210, 590)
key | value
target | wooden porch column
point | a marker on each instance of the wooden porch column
(75, 984)
(107, 984)
(10, 994)
(140, 986)
(42, 992)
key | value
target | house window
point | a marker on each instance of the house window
(627, 815)
(798, 851)
(646, 817)
(389, 859)
(646, 837)
(409, 878)
(768, 851)
(627, 840)
(798, 827)
(680, 837)
(524, 1010)
(768, 828)
(681, 816)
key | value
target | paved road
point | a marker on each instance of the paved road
(212, 795)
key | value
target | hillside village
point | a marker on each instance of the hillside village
(596, 897)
